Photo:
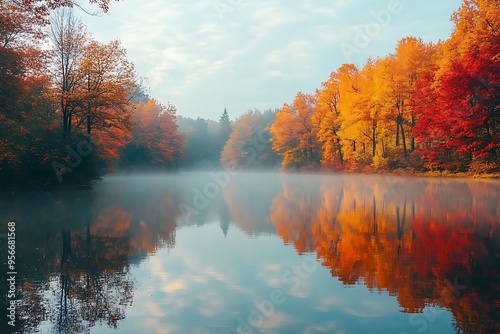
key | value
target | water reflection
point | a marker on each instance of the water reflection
(426, 242)
(68, 276)
(75, 250)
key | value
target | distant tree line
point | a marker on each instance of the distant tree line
(244, 143)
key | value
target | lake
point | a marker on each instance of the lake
(200, 252)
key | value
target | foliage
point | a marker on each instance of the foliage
(249, 144)
(424, 107)
(462, 116)
(294, 133)
(66, 112)
(155, 139)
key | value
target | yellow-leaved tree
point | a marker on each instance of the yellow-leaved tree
(395, 79)
(326, 118)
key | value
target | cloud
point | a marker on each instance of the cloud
(328, 327)
(368, 308)
(327, 303)
(172, 287)
(272, 267)
(258, 53)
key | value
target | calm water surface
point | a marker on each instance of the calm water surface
(258, 253)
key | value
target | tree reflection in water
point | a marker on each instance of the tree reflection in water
(75, 252)
(418, 239)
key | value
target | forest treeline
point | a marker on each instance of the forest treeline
(426, 106)
(73, 109)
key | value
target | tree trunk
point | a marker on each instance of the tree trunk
(65, 125)
(412, 139)
(374, 139)
(341, 158)
(397, 131)
(403, 137)
(89, 123)
(69, 125)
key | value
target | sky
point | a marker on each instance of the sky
(206, 55)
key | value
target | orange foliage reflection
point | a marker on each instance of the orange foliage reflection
(428, 242)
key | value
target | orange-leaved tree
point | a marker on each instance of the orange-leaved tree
(294, 133)
(155, 139)
(106, 82)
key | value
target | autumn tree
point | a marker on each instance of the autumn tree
(465, 90)
(155, 139)
(69, 38)
(358, 115)
(11, 70)
(107, 83)
(95, 81)
(327, 118)
(294, 133)
(94, 86)
(368, 110)
(476, 125)
(233, 154)
(105, 86)
(26, 111)
(42, 8)
(346, 114)
(430, 130)
(249, 144)
(414, 58)
(399, 72)
(19, 26)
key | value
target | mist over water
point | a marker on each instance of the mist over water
(261, 252)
